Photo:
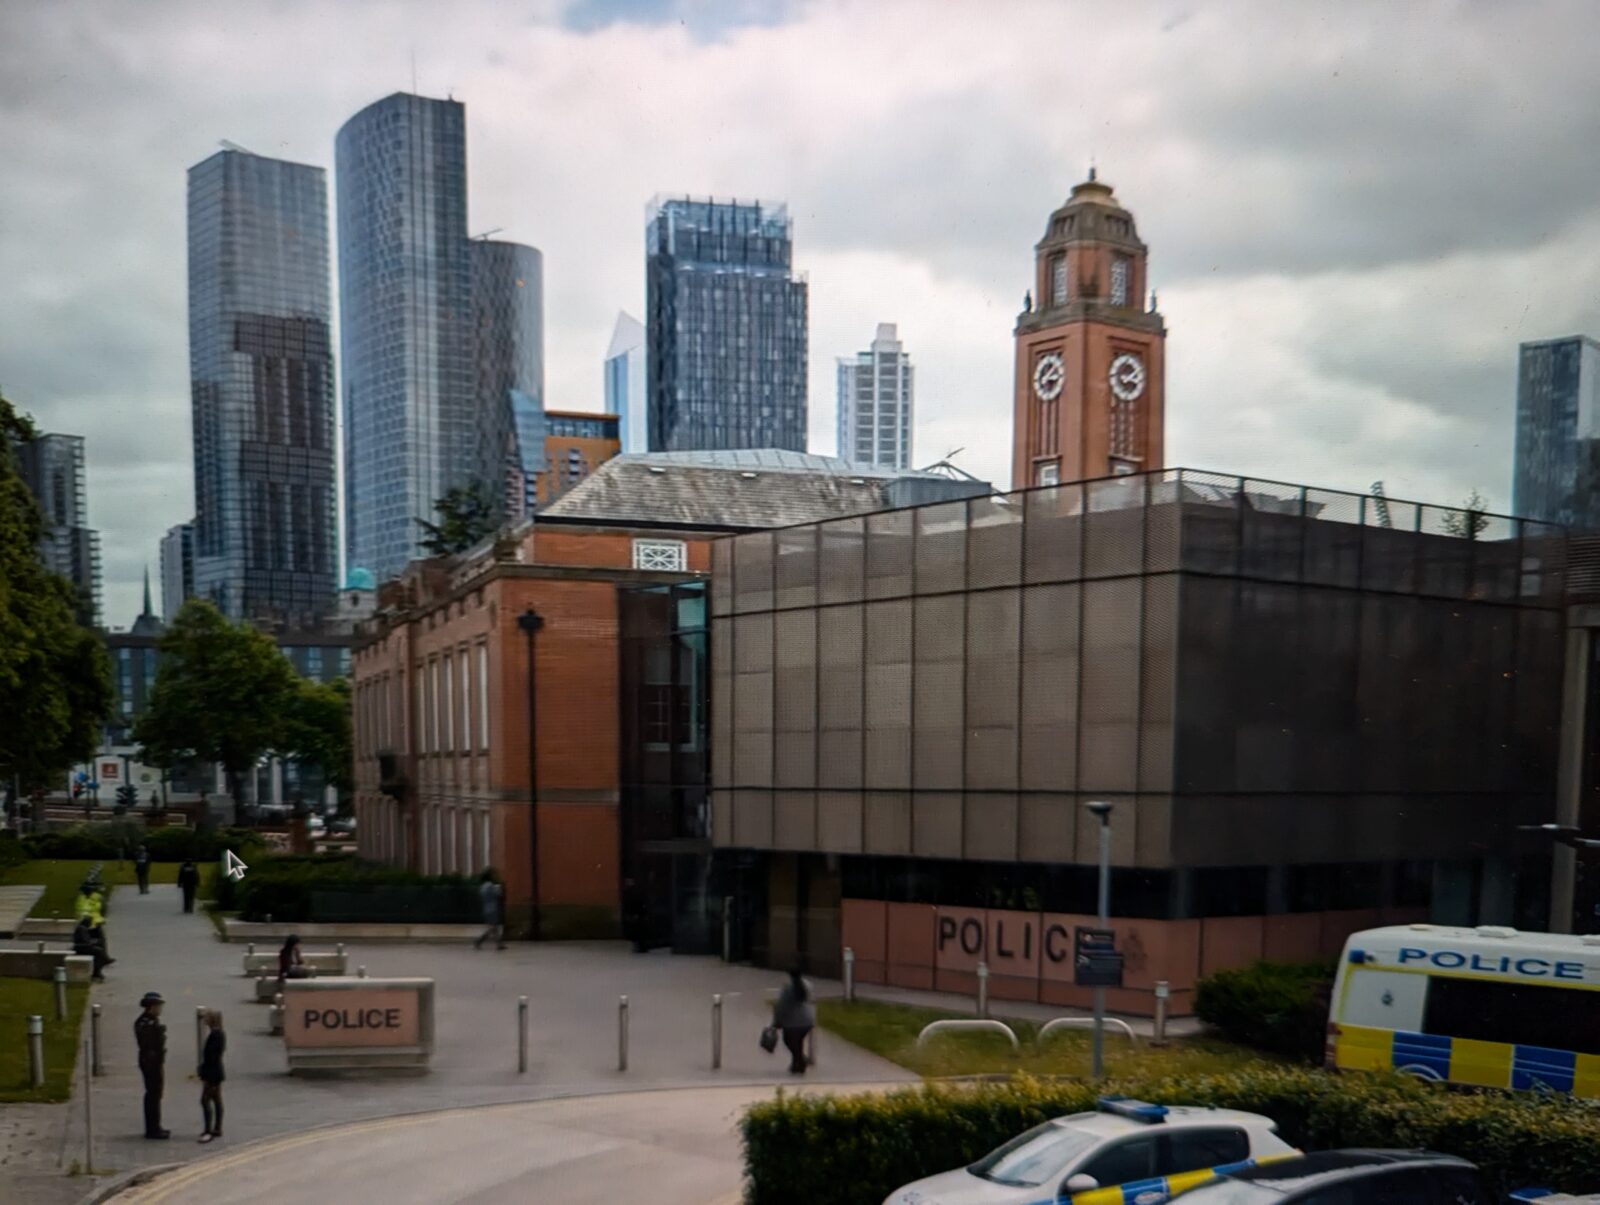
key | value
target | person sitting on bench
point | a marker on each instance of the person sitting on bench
(290, 964)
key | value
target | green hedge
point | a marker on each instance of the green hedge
(1273, 1006)
(113, 839)
(341, 887)
(12, 852)
(843, 1150)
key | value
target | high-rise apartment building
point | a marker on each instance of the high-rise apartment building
(625, 381)
(1557, 473)
(508, 336)
(177, 569)
(405, 299)
(726, 327)
(266, 542)
(875, 403)
(52, 467)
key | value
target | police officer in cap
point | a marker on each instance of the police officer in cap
(152, 1038)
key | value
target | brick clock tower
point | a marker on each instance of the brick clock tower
(1090, 365)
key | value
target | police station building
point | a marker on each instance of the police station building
(1313, 712)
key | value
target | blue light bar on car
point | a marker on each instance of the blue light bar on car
(1133, 1110)
(1532, 1194)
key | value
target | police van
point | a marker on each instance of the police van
(1488, 1006)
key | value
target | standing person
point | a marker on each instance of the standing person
(141, 869)
(491, 896)
(211, 1077)
(152, 1038)
(188, 882)
(290, 964)
(795, 1013)
(85, 942)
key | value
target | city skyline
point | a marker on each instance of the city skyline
(1345, 309)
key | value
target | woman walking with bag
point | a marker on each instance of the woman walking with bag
(211, 1077)
(795, 1015)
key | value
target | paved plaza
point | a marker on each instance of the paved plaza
(572, 988)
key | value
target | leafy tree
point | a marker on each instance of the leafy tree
(316, 730)
(55, 677)
(221, 695)
(466, 515)
(1468, 522)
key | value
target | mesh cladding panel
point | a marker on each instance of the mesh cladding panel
(994, 548)
(941, 547)
(842, 560)
(1333, 537)
(795, 573)
(752, 572)
(1053, 534)
(1271, 530)
(722, 576)
(1210, 523)
(889, 553)
(1114, 529)
(1494, 559)
(1446, 551)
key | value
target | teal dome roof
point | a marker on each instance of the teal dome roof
(360, 579)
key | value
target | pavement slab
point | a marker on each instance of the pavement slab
(15, 900)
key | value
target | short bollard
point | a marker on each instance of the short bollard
(39, 948)
(522, 1034)
(622, 1033)
(250, 949)
(61, 993)
(983, 989)
(199, 1034)
(340, 949)
(716, 1032)
(1159, 1037)
(36, 1051)
(94, 1038)
(849, 975)
(361, 972)
(88, 1109)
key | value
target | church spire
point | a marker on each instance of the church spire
(148, 609)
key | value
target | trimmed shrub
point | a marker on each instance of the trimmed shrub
(1273, 1006)
(343, 888)
(112, 839)
(829, 1150)
(12, 852)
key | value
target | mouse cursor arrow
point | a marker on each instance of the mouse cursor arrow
(233, 865)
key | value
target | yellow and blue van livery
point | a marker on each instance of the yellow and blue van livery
(1487, 1006)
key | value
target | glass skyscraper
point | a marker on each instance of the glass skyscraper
(726, 327)
(625, 377)
(1557, 474)
(875, 403)
(261, 384)
(405, 298)
(177, 569)
(52, 468)
(508, 325)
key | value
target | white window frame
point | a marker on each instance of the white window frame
(433, 704)
(466, 702)
(422, 707)
(483, 697)
(449, 704)
(1047, 472)
(661, 556)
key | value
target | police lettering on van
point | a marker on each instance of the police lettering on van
(1505, 964)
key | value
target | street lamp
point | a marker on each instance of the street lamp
(530, 621)
(1102, 809)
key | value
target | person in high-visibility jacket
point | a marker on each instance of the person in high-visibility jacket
(89, 905)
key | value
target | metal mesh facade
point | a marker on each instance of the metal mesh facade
(405, 313)
(1258, 674)
(261, 372)
(726, 328)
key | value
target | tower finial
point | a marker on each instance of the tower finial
(1091, 171)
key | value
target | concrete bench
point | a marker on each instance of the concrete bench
(268, 986)
(323, 962)
(42, 964)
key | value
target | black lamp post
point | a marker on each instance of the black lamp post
(530, 621)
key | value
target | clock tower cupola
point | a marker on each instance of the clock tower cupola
(1089, 393)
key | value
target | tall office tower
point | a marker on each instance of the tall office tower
(508, 326)
(726, 326)
(266, 543)
(177, 569)
(405, 313)
(625, 379)
(1557, 473)
(875, 403)
(52, 467)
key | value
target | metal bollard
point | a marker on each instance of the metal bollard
(522, 1033)
(250, 949)
(339, 949)
(361, 972)
(38, 948)
(983, 989)
(727, 928)
(716, 1032)
(61, 993)
(277, 1004)
(849, 975)
(622, 1033)
(36, 1051)
(94, 1038)
(88, 1109)
(1159, 1036)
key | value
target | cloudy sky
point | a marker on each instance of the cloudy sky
(1355, 211)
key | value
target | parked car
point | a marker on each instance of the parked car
(1549, 1196)
(1088, 1158)
(1357, 1177)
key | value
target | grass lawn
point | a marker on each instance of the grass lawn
(62, 877)
(19, 999)
(890, 1030)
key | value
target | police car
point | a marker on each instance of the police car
(1126, 1152)
(1546, 1196)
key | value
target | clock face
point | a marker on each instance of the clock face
(1048, 376)
(1127, 377)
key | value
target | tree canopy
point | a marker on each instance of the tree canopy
(316, 729)
(55, 677)
(466, 515)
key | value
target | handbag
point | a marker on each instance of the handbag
(769, 1039)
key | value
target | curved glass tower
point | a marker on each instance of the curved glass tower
(508, 321)
(405, 321)
(265, 541)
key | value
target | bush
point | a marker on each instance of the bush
(114, 839)
(340, 887)
(1277, 1007)
(12, 852)
(826, 1150)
